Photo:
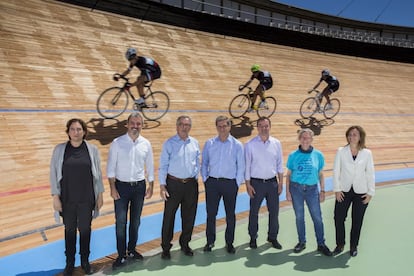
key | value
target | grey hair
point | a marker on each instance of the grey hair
(305, 130)
(183, 117)
(135, 115)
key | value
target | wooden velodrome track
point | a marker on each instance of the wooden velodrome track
(55, 59)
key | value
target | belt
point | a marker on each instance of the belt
(273, 179)
(181, 180)
(131, 183)
(221, 178)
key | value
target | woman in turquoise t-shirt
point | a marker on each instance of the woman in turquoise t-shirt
(304, 173)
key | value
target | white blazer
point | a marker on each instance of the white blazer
(358, 174)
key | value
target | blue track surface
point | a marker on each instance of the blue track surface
(50, 260)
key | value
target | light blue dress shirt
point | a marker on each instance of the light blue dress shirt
(179, 158)
(223, 159)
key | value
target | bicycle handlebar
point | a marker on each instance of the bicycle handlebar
(119, 76)
(313, 90)
(241, 87)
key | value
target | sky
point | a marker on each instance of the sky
(390, 12)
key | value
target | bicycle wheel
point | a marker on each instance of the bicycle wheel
(330, 113)
(308, 108)
(268, 109)
(239, 105)
(158, 104)
(112, 102)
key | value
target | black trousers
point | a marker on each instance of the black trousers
(77, 216)
(186, 196)
(340, 214)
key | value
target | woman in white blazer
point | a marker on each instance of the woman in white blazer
(354, 183)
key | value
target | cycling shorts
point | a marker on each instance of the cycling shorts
(152, 75)
(266, 84)
(333, 86)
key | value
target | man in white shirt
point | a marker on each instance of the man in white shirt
(130, 161)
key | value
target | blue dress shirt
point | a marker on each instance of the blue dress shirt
(179, 158)
(223, 159)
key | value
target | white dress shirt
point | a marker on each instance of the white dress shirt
(130, 161)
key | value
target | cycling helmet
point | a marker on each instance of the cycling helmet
(325, 72)
(130, 53)
(255, 68)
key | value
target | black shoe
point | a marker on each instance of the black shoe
(86, 266)
(230, 248)
(353, 251)
(253, 243)
(68, 271)
(166, 255)
(338, 249)
(299, 247)
(208, 247)
(120, 261)
(324, 250)
(275, 243)
(135, 255)
(187, 251)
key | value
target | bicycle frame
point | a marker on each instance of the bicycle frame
(308, 108)
(318, 98)
(241, 103)
(114, 101)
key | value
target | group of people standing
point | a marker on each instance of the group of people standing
(224, 164)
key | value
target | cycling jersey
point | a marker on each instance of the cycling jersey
(264, 78)
(332, 82)
(148, 67)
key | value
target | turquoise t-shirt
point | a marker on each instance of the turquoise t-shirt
(305, 166)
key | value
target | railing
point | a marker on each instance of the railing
(256, 18)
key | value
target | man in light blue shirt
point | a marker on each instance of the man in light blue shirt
(264, 179)
(222, 170)
(178, 174)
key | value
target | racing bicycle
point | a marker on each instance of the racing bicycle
(312, 105)
(241, 103)
(114, 101)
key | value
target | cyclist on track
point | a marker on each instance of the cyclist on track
(333, 85)
(265, 83)
(150, 70)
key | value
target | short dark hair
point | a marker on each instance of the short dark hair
(261, 119)
(81, 122)
(223, 118)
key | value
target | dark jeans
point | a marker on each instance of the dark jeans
(186, 195)
(340, 214)
(215, 190)
(132, 197)
(77, 216)
(269, 191)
